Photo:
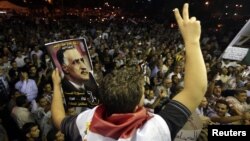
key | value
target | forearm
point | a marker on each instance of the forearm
(195, 80)
(226, 119)
(57, 107)
(210, 89)
(195, 70)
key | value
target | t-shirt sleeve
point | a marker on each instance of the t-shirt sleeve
(69, 129)
(176, 115)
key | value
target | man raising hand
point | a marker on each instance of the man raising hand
(122, 116)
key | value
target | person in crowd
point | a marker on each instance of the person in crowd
(34, 74)
(151, 101)
(238, 102)
(165, 86)
(4, 86)
(122, 115)
(31, 132)
(27, 86)
(55, 135)
(47, 91)
(20, 59)
(220, 115)
(214, 91)
(13, 73)
(21, 113)
(70, 111)
(177, 71)
(36, 51)
(202, 111)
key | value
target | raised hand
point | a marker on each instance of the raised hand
(190, 27)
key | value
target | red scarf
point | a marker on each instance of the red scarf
(118, 125)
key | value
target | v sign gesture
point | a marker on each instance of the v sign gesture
(190, 27)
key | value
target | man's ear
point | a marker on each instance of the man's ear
(65, 69)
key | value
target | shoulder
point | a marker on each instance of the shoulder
(83, 121)
(157, 120)
(32, 80)
(154, 129)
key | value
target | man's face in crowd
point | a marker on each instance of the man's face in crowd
(14, 65)
(33, 71)
(242, 97)
(24, 75)
(168, 83)
(221, 109)
(217, 90)
(75, 65)
(204, 102)
(47, 88)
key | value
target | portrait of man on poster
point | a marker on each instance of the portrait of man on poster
(78, 84)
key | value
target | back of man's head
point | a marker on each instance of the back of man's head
(21, 100)
(122, 90)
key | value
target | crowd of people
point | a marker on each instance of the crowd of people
(156, 50)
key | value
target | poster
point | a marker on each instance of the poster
(191, 130)
(238, 49)
(72, 59)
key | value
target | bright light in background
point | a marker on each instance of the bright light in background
(172, 25)
(107, 4)
(50, 1)
(207, 3)
(3, 12)
(219, 25)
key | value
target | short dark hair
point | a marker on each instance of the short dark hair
(222, 101)
(51, 136)
(121, 90)
(60, 53)
(27, 127)
(21, 100)
(239, 92)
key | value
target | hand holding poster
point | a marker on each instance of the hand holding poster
(72, 59)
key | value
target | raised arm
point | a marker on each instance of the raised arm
(57, 107)
(195, 80)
